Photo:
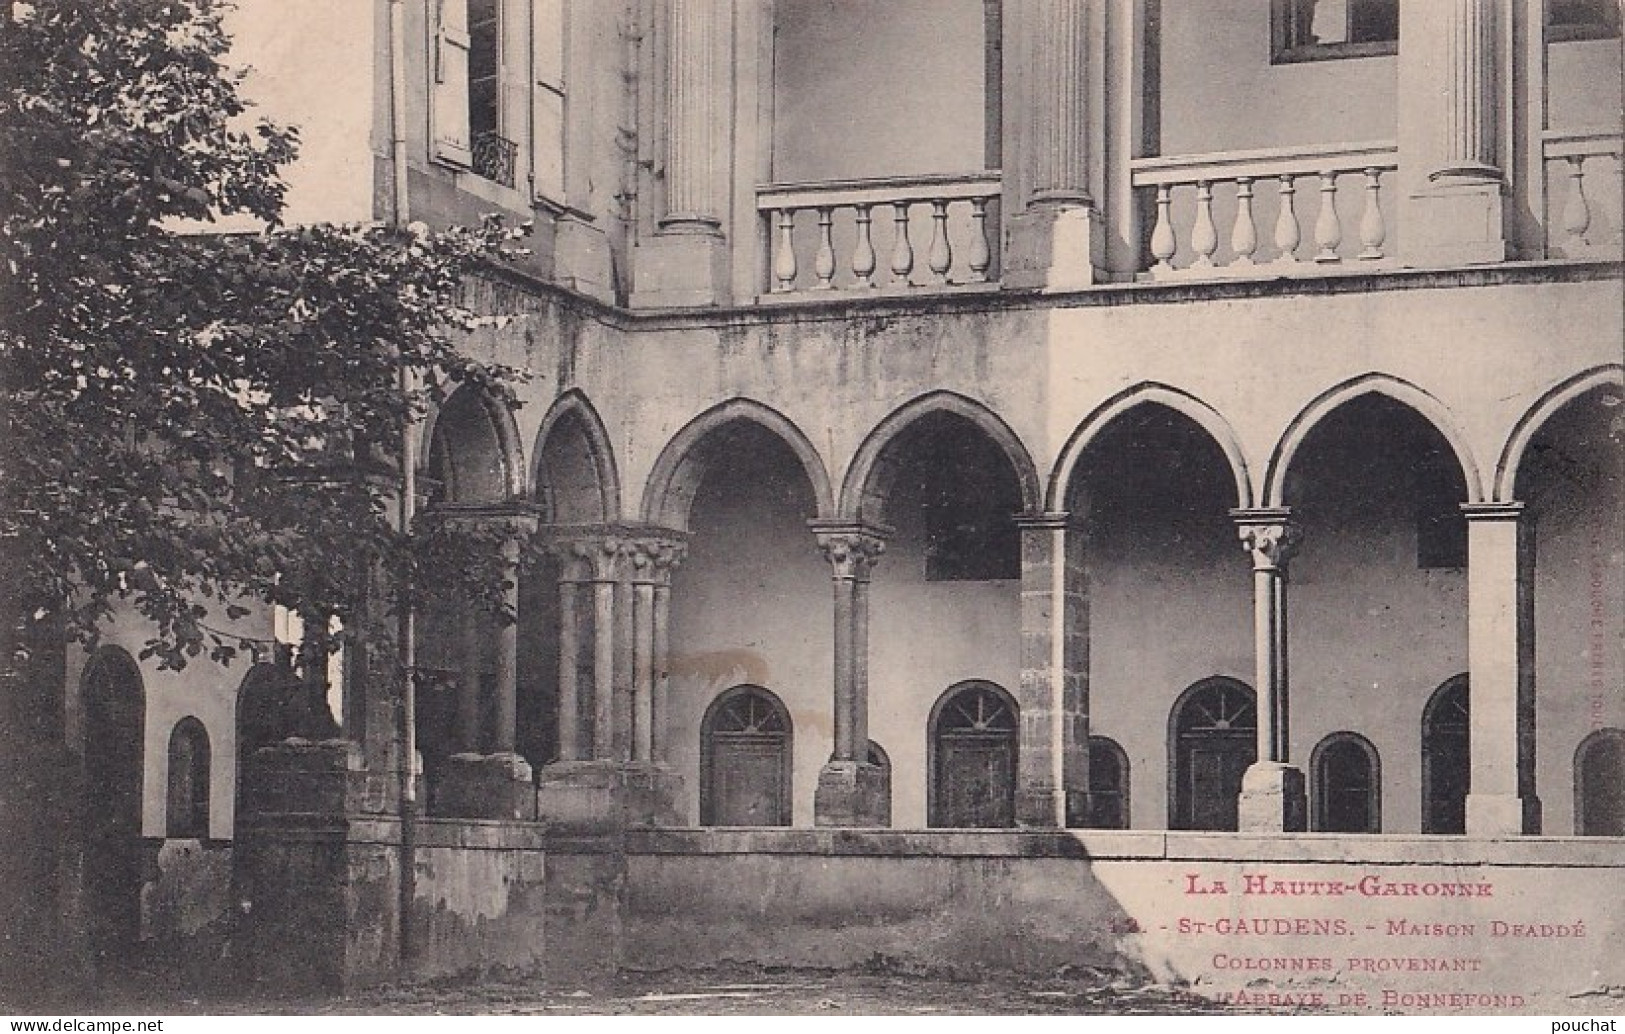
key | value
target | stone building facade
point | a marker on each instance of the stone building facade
(1116, 415)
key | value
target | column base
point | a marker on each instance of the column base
(486, 786)
(1272, 799)
(680, 269)
(1054, 248)
(1491, 814)
(581, 259)
(1455, 224)
(608, 796)
(850, 794)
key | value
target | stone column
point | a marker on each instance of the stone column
(604, 554)
(651, 559)
(1273, 797)
(504, 736)
(685, 262)
(1500, 654)
(1053, 781)
(1055, 238)
(849, 788)
(1453, 88)
(571, 576)
(487, 778)
(470, 698)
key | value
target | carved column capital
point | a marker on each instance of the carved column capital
(1269, 535)
(852, 548)
(652, 559)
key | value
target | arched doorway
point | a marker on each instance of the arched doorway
(1446, 761)
(1214, 739)
(973, 758)
(114, 751)
(1347, 785)
(1599, 784)
(186, 811)
(745, 743)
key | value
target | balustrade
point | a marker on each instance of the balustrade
(1195, 195)
(822, 236)
(1584, 188)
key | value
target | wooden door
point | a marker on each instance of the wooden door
(976, 781)
(747, 781)
(1215, 764)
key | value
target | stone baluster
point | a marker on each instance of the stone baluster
(1244, 237)
(1272, 797)
(824, 261)
(1372, 230)
(981, 256)
(784, 263)
(1287, 234)
(863, 252)
(1576, 209)
(1164, 242)
(902, 252)
(1204, 235)
(940, 255)
(1328, 229)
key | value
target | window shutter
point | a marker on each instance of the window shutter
(547, 99)
(449, 110)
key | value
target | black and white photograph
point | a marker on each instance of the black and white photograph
(811, 508)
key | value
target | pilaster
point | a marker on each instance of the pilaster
(1053, 756)
(1500, 654)
(1454, 60)
(685, 262)
(1055, 237)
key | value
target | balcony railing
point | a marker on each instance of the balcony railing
(1262, 200)
(495, 157)
(1584, 188)
(935, 233)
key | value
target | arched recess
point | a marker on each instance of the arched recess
(1403, 392)
(472, 452)
(1346, 785)
(115, 709)
(186, 805)
(1530, 424)
(1150, 393)
(971, 757)
(682, 465)
(747, 741)
(868, 480)
(1599, 784)
(1446, 756)
(1108, 784)
(575, 476)
(1212, 739)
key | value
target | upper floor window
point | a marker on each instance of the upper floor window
(498, 98)
(1313, 30)
(1581, 19)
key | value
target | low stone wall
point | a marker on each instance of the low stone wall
(1351, 924)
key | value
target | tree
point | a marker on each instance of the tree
(195, 423)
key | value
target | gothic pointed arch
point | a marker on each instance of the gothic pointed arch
(1429, 408)
(1537, 417)
(693, 451)
(472, 452)
(1150, 393)
(574, 474)
(869, 476)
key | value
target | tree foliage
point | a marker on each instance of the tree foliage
(191, 423)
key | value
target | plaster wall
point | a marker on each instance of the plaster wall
(1582, 83)
(865, 89)
(1219, 91)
